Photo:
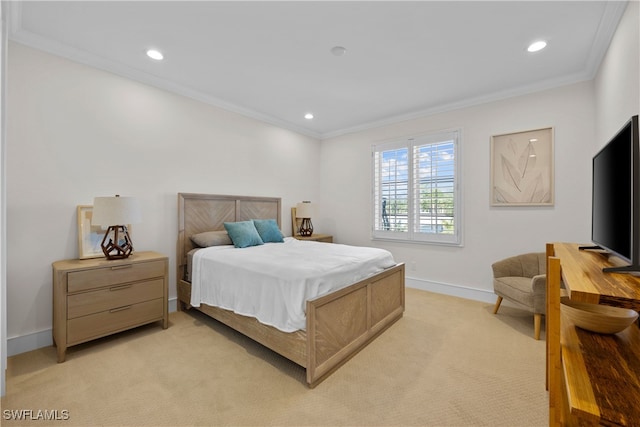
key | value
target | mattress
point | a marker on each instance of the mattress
(190, 263)
(272, 282)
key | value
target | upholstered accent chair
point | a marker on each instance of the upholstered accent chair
(521, 279)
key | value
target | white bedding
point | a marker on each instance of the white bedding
(272, 282)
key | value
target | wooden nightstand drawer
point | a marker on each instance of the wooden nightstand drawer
(118, 319)
(94, 297)
(84, 280)
(86, 303)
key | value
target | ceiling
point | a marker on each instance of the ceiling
(272, 60)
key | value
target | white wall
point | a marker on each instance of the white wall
(617, 84)
(75, 132)
(490, 233)
(67, 121)
(584, 116)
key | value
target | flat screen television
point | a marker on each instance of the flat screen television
(615, 212)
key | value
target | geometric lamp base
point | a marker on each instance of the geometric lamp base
(119, 246)
(306, 227)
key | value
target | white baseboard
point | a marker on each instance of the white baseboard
(32, 341)
(36, 340)
(482, 295)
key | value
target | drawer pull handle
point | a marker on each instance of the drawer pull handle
(115, 310)
(119, 288)
(121, 267)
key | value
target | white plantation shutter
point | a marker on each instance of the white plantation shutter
(416, 192)
(392, 177)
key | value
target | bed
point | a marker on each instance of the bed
(338, 324)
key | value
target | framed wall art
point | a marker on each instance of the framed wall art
(522, 171)
(89, 236)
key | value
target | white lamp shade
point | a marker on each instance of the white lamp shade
(304, 210)
(116, 210)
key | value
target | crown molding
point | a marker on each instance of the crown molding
(19, 35)
(614, 11)
(464, 103)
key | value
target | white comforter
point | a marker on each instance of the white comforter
(272, 282)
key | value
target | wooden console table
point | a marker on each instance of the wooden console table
(593, 379)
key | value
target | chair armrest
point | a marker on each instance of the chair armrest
(539, 284)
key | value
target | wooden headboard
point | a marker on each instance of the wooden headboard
(208, 212)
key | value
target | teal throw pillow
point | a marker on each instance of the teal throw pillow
(243, 234)
(268, 230)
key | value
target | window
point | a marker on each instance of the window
(416, 191)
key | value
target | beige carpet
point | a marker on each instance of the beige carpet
(447, 362)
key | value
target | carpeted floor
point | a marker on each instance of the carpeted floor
(447, 362)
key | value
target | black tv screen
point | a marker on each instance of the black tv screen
(615, 197)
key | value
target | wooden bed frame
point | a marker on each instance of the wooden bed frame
(338, 324)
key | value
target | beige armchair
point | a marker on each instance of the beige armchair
(521, 279)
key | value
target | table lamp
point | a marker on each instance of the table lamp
(116, 213)
(304, 211)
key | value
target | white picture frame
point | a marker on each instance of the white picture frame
(89, 236)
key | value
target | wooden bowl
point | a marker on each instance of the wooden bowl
(602, 319)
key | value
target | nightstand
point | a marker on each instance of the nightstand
(326, 238)
(93, 298)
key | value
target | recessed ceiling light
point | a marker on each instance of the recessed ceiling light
(155, 54)
(536, 46)
(308, 116)
(338, 50)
